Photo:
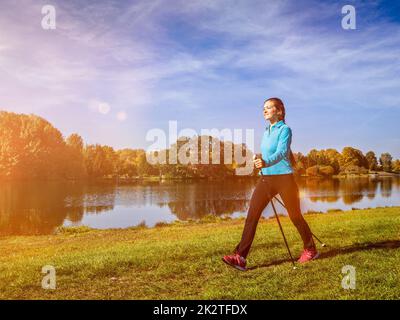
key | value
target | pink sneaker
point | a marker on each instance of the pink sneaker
(236, 261)
(308, 255)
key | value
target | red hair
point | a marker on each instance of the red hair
(278, 104)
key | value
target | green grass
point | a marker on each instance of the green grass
(183, 260)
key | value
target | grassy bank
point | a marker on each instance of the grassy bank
(183, 260)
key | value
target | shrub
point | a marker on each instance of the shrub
(326, 171)
(161, 224)
(312, 171)
(72, 230)
(353, 169)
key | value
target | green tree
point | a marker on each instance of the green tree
(126, 163)
(100, 161)
(144, 168)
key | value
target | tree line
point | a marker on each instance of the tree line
(31, 148)
(350, 161)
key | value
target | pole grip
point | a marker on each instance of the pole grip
(258, 156)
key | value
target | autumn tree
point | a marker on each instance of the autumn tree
(353, 157)
(372, 161)
(333, 158)
(300, 163)
(75, 156)
(30, 148)
(396, 166)
(386, 161)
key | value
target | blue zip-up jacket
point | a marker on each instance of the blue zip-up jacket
(275, 148)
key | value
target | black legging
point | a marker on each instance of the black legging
(267, 187)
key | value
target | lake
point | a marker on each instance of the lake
(28, 208)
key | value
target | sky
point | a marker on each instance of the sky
(113, 70)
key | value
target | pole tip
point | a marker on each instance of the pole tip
(323, 245)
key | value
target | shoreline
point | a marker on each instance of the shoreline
(190, 222)
(380, 174)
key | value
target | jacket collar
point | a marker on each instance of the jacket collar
(276, 125)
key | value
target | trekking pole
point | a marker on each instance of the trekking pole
(322, 243)
(280, 227)
(284, 238)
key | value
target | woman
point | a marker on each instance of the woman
(277, 178)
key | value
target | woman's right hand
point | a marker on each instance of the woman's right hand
(259, 163)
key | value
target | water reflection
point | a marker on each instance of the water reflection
(38, 208)
(350, 190)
